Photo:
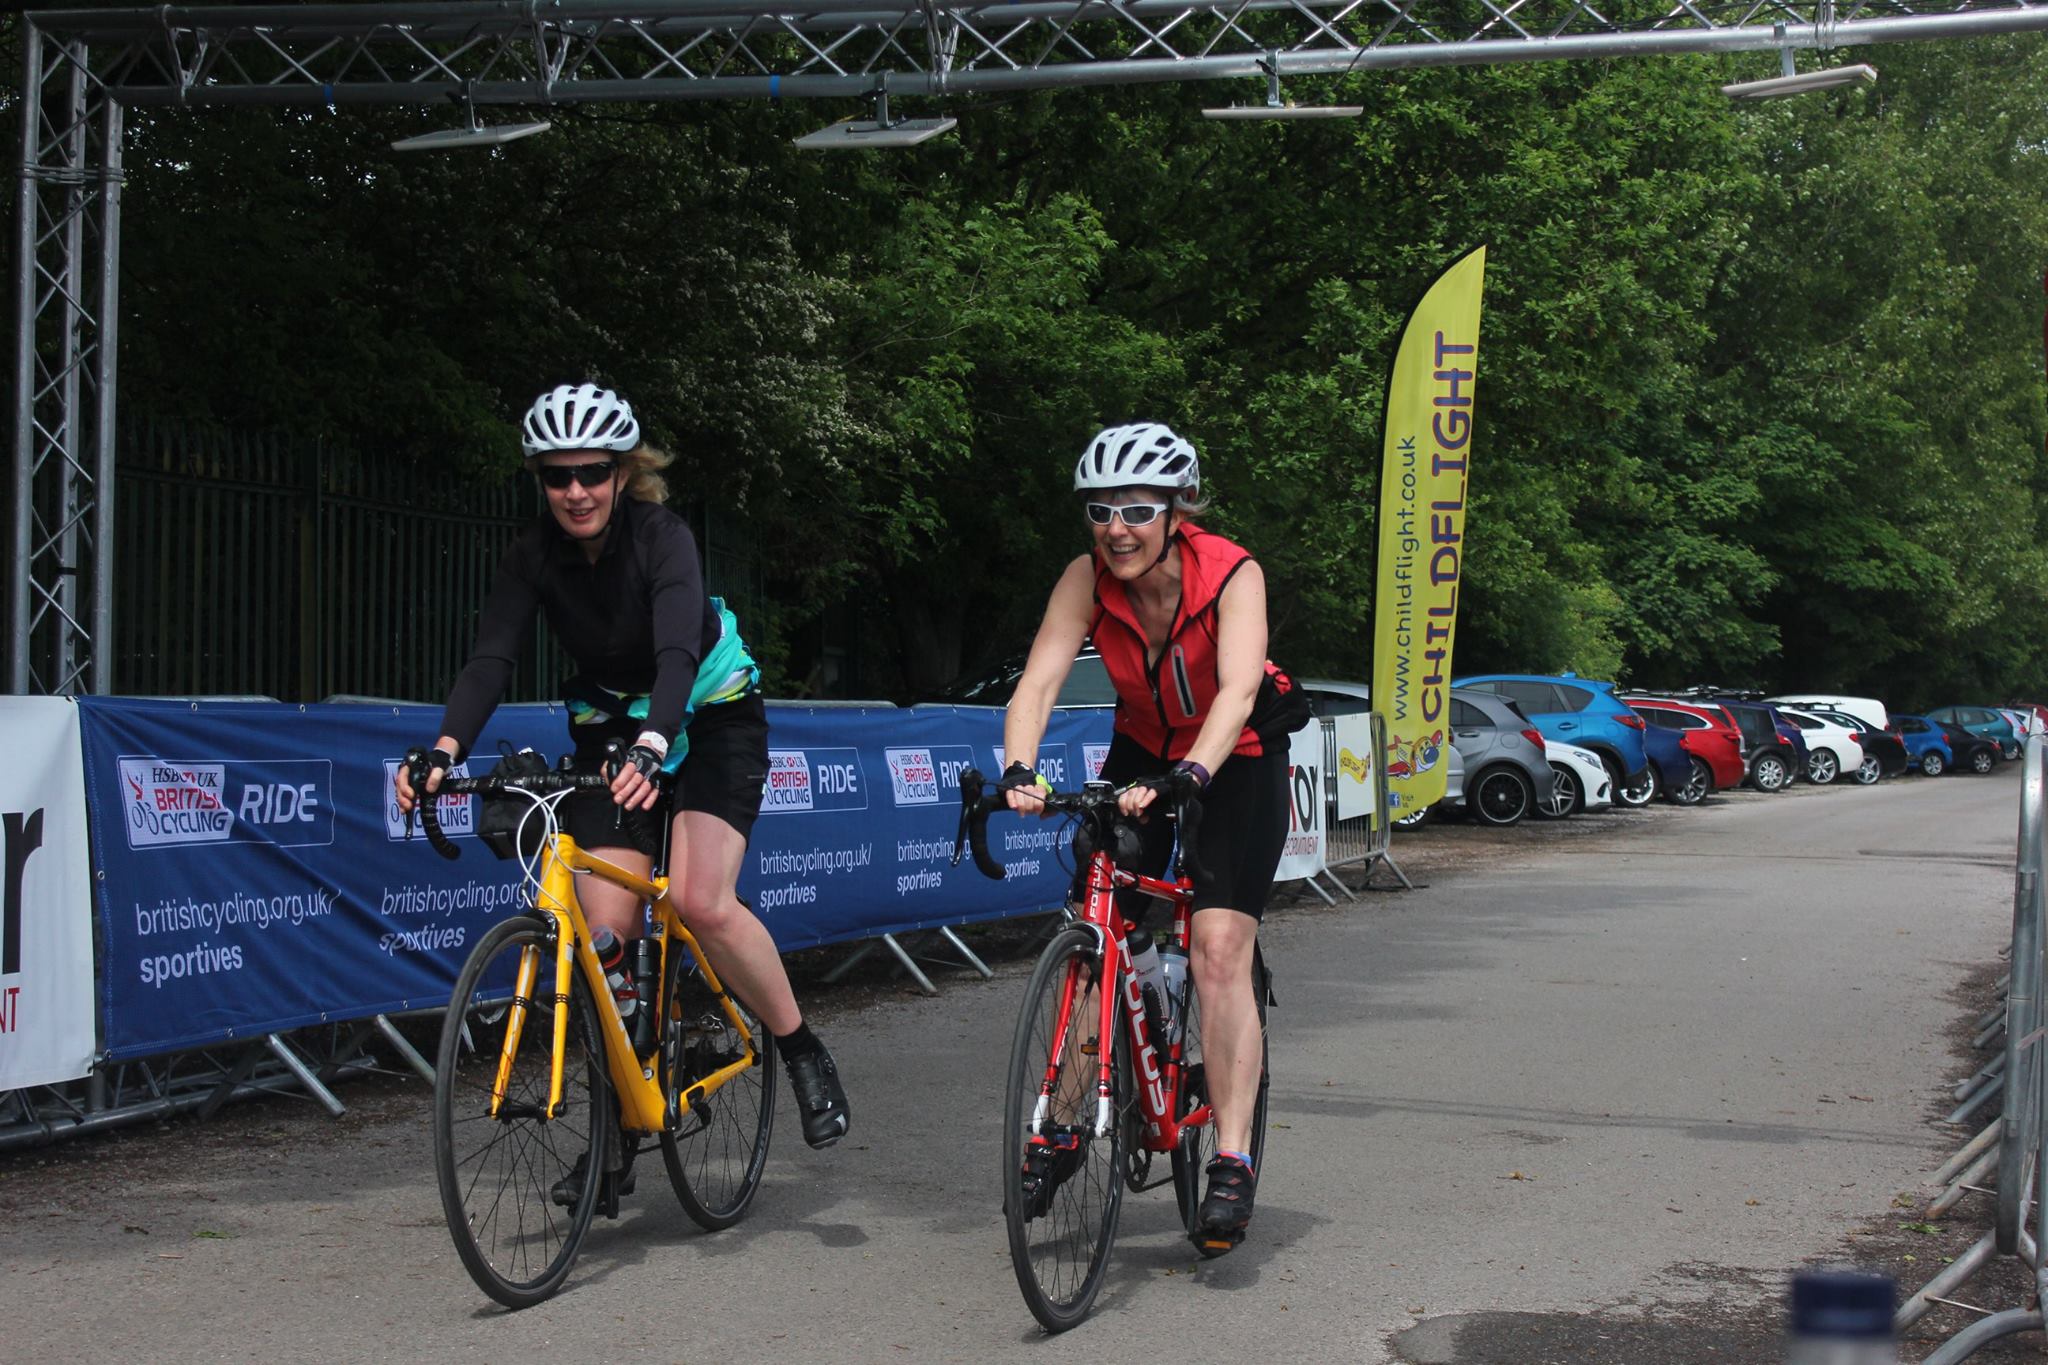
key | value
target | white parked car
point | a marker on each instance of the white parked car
(1831, 747)
(1863, 708)
(1582, 781)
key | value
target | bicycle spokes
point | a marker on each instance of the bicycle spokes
(1063, 1155)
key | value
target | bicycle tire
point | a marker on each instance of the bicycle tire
(496, 1173)
(1062, 1255)
(1192, 1154)
(716, 1158)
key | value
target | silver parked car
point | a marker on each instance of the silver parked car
(1505, 764)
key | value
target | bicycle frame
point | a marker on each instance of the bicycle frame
(1158, 1082)
(641, 1108)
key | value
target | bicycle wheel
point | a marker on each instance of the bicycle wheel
(1060, 1233)
(1197, 1146)
(497, 1171)
(716, 1157)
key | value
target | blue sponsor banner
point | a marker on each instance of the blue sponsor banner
(254, 875)
(862, 805)
(253, 872)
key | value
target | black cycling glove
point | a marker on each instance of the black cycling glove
(646, 762)
(1017, 777)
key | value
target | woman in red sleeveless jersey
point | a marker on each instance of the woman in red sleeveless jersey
(1179, 616)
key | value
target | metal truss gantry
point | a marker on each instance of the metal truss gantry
(83, 67)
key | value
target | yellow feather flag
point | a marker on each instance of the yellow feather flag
(1424, 476)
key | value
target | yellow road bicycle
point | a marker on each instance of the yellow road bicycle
(537, 1067)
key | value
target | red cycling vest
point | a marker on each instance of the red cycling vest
(1162, 705)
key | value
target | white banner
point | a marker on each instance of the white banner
(1304, 853)
(46, 1032)
(1355, 780)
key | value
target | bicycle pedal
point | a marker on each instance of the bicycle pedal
(1214, 1244)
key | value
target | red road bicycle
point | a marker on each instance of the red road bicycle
(1100, 1081)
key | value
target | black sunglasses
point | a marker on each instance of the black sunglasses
(595, 475)
(1134, 514)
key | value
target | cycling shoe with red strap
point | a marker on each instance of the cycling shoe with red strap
(1227, 1207)
(1049, 1159)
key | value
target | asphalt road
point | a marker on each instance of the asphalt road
(1614, 1082)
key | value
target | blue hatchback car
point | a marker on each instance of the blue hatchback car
(1575, 710)
(1922, 738)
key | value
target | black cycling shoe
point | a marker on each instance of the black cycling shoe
(615, 1183)
(1226, 1208)
(1050, 1158)
(820, 1099)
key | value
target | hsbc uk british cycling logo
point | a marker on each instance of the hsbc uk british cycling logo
(928, 776)
(287, 802)
(802, 780)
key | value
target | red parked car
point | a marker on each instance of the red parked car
(1705, 730)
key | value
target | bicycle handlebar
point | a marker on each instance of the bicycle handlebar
(491, 784)
(978, 801)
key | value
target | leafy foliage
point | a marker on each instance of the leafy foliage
(1761, 388)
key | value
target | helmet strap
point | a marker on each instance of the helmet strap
(1165, 548)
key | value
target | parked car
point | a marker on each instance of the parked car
(1795, 737)
(1580, 781)
(1884, 752)
(1981, 720)
(1869, 710)
(1978, 753)
(1087, 684)
(1505, 766)
(1832, 747)
(1672, 765)
(1334, 697)
(1767, 754)
(1926, 743)
(1581, 711)
(2024, 722)
(1706, 731)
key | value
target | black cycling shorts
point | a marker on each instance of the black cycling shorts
(1244, 825)
(723, 776)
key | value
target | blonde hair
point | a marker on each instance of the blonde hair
(643, 465)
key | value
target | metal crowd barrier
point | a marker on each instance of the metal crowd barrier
(2015, 1146)
(1363, 838)
(201, 1080)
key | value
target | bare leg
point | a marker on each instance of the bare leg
(1220, 958)
(704, 857)
(613, 907)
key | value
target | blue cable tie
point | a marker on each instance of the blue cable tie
(775, 87)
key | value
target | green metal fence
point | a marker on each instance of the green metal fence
(281, 565)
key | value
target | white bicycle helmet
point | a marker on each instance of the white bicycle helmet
(1143, 454)
(578, 417)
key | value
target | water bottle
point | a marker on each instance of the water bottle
(1173, 961)
(1841, 1317)
(611, 955)
(1152, 984)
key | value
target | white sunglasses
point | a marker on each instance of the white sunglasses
(1135, 514)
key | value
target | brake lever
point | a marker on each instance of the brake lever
(975, 808)
(971, 784)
